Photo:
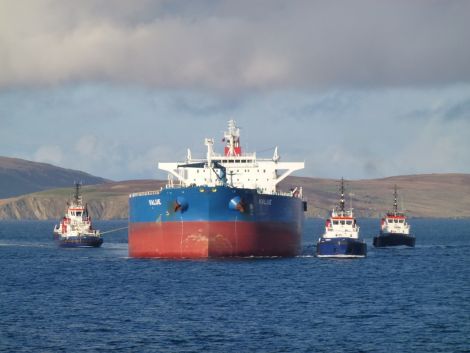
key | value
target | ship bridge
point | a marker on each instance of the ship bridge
(233, 168)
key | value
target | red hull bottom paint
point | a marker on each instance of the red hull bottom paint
(213, 239)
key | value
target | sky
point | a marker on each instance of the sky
(355, 89)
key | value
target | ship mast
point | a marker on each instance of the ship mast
(232, 140)
(395, 203)
(341, 200)
(76, 196)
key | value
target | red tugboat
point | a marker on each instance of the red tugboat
(394, 229)
(75, 228)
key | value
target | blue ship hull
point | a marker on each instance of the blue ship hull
(341, 248)
(83, 241)
(198, 222)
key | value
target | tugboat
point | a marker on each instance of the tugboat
(394, 229)
(341, 237)
(75, 228)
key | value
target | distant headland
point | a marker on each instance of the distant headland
(39, 191)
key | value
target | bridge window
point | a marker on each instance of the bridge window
(335, 223)
(348, 222)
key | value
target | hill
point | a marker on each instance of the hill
(105, 201)
(425, 195)
(20, 177)
(430, 195)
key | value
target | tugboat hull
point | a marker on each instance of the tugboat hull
(81, 241)
(394, 239)
(341, 248)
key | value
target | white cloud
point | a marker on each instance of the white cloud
(49, 154)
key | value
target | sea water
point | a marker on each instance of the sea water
(100, 300)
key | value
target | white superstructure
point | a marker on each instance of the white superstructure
(395, 222)
(341, 223)
(233, 168)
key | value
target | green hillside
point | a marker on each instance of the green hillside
(430, 195)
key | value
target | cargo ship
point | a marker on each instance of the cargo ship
(341, 237)
(394, 228)
(75, 229)
(223, 205)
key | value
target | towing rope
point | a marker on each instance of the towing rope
(113, 230)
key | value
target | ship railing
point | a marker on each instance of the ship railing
(221, 158)
(228, 161)
(284, 193)
(145, 193)
(292, 193)
(156, 192)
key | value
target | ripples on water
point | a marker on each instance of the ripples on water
(99, 300)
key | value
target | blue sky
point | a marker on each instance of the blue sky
(359, 89)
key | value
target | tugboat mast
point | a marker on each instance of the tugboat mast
(76, 196)
(395, 203)
(341, 201)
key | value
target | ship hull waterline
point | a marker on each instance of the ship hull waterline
(78, 241)
(394, 239)
(341, 248)
(213, 239)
